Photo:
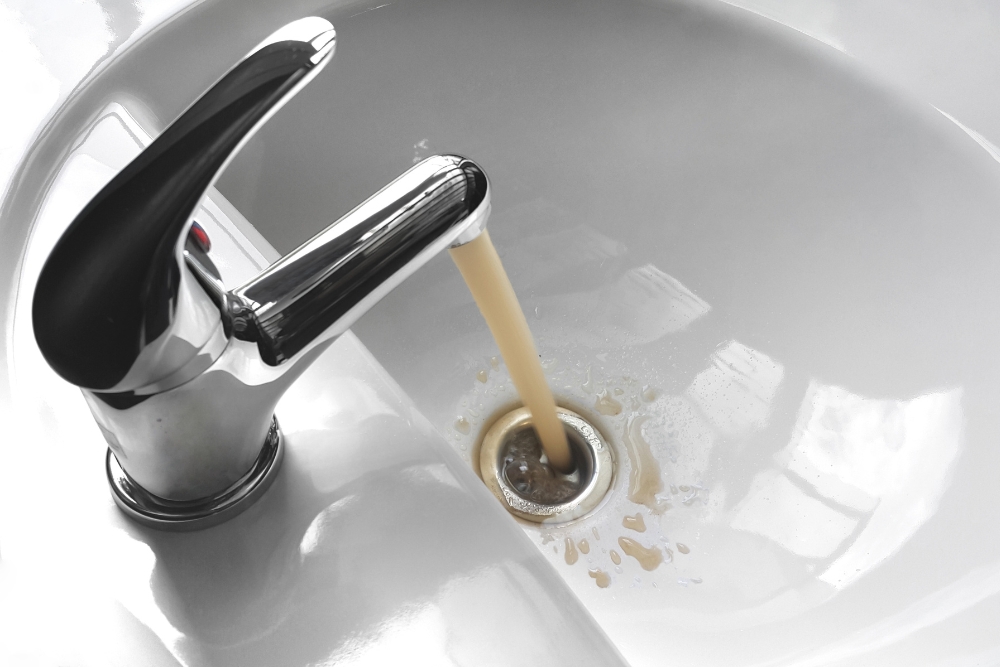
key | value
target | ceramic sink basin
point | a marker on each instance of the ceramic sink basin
(769, 277)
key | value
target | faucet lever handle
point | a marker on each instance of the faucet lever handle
(109, 311)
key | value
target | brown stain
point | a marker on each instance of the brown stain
(571, 554)
(584, 546)
(649, 557)
(482, 376)
(644, 478)
(463, 426)
(635, 523)
(615, 558)
(607, 405)
(683, 548)
(600, 577)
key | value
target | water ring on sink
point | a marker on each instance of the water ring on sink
(515, 469)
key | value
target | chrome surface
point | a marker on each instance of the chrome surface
(115, 310)
(152, 510)
(321, 288)
(185, 411)
(594, 468)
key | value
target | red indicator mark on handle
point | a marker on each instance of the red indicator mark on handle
(200, 237)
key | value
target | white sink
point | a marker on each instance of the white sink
(782, 270)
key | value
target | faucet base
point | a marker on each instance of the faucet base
(154, 511)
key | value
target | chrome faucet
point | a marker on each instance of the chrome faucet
(181, 374)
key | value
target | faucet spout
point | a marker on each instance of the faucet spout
(319, 290)
(182, 374)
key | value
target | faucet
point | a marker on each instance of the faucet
(183, 375)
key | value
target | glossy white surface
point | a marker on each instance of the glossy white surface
(801, 261)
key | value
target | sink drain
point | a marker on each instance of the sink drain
(516, 470)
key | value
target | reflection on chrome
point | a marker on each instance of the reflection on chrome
(871, 470)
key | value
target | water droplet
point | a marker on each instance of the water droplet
(600, 577)
(649, 557)
(571, 554)
(607, 405)
(635, 523)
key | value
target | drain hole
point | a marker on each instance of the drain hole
(528, 472)
(516, 470)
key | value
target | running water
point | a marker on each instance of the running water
(480, 265)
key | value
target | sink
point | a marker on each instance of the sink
(765, 274)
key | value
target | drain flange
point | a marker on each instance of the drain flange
(516, 471)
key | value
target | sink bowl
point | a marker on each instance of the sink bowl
(768, 277)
